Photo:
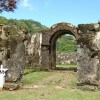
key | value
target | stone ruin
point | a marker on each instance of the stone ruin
(66, 58)
(19, 49)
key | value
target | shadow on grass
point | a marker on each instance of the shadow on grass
(66, 69)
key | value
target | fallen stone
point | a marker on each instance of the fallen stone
(11, 86)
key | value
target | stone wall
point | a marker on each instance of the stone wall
(66, 58)
(12, 52)
(32, 50)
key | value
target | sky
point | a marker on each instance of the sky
(50, 12)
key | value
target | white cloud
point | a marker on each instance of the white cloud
(27, 4)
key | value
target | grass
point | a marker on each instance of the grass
(67, 66)
(28, 70)
(33, 77)
(50, 94)
(58, 85)
(75, 95)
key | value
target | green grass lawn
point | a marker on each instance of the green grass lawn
(74, 95)
(49, 93)
(58, 85)
(67, 66)
(34, 77)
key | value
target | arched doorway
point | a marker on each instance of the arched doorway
(66, 53)
(48, 43)
(53, 40)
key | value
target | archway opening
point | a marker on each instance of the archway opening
(65, 50)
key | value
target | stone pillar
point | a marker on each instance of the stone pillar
(15, 62)
(87, 57)
(45, 50)
(45, 57)
(13, 56)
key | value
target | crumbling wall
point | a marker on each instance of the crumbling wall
(88, 56)
(13, 53)
(66, 58)
(32, 51)
(17, 50)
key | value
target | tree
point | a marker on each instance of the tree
(66, 43)
(8, 5)
(30, 25)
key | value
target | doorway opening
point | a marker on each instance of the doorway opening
(62, 43)
(66, 52)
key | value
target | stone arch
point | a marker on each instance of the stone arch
(57, 31)
(49, 38)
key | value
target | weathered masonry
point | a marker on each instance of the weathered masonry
(48, 44)
(88, 50)
(18, 49)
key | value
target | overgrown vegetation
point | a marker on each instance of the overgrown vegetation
(66, 43)
(30, 25)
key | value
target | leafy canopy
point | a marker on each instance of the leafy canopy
(8, 5)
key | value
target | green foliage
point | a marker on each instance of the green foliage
(30, 25)
(3, 20)
(66, 43)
